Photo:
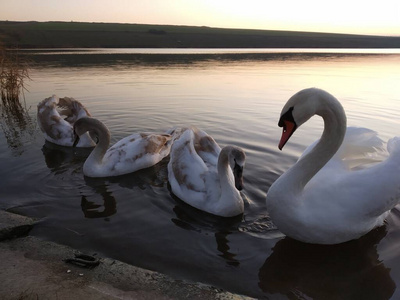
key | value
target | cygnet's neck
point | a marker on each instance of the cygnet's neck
(103, 135)
(230, 202)
(224, 172)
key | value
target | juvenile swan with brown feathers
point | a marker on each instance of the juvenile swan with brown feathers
(56, 117)
(205, 176)
(132, 153)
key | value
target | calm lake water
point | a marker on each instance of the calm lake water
(236, 96)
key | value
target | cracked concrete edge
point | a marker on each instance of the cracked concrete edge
(112, 279)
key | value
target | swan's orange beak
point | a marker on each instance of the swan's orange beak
(288, 129)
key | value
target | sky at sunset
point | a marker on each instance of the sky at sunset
(340, 16)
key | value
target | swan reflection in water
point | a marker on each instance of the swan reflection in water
(91, 209)
(154, 176)
(351, 270)
(190, 218)
(61, 160)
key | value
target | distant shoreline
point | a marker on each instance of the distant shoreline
(115, 35)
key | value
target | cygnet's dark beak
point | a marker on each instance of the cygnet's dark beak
(76, 140)
(238, 174)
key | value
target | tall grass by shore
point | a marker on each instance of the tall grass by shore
(15, 121)
(14, 71)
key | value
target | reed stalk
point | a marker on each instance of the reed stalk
(14, 71)
(15, 121)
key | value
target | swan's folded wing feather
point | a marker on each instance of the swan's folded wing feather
(206, 147)
(361, 148)
(353, 174)
(364, 194)
(157, 143)
(72, 109)
(186, 170)
(137, 151)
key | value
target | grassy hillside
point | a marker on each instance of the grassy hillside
(114, 35)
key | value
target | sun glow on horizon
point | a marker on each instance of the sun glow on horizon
(358, 17)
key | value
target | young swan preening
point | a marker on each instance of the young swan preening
(132, 153)
(206, 177)
(56, 117)
(320, 199)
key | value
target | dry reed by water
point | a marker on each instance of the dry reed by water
(15, 121)
(14, 71)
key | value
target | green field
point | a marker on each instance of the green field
(115, 35)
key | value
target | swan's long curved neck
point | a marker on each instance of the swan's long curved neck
(225, 178)
(103, 135)
(332, 137)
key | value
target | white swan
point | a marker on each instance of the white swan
(320, 199)
(56, 117)
(206, 177)
(132, 153)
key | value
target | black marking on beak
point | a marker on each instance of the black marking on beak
(289, 126)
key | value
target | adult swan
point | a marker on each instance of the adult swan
(320, 199)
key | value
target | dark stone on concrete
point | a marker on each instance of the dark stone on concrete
(13, 225)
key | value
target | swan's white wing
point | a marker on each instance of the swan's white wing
(72, 109)
(206, 147)
(364, 193)
(187, 171)
(361, 147)
(136, 152)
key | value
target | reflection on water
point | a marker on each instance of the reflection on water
(223, 247)
(192, 219)
(59, 159)
(347, 271)
(93, 210)
(16, 125)
(124, 60)
(235, 97)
